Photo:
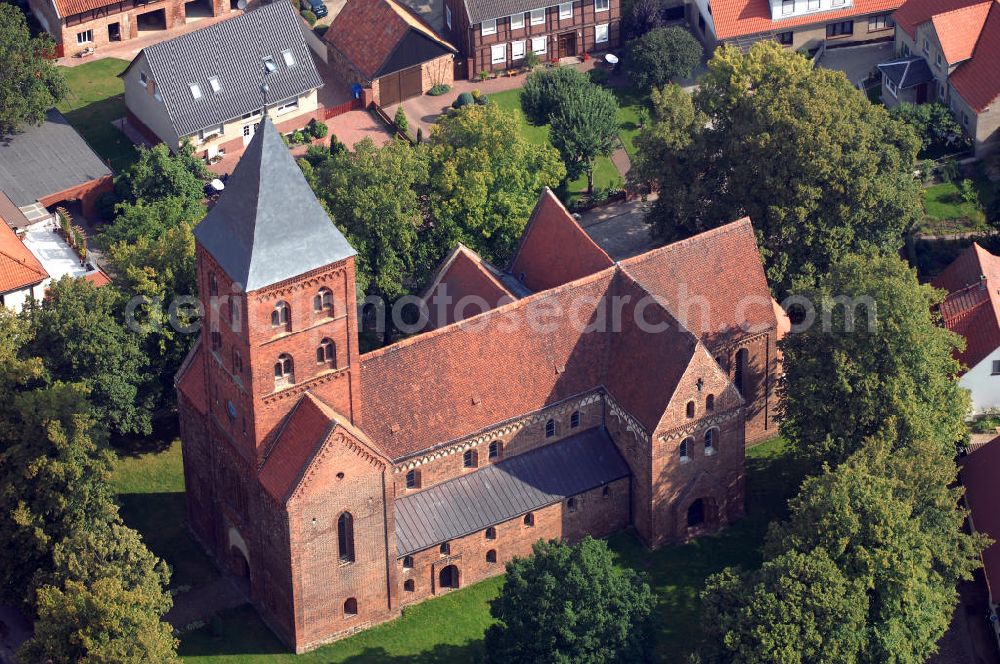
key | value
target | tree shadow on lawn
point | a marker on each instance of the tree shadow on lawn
(93, 122)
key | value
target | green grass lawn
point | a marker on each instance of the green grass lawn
(605, 173)
(96, 98)
(946, 212)
(450, 628)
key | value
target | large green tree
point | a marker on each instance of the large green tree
(583, 128)
(570, 604)
(544, 90)
(485, 179)
(78, 333)
(819, 169)
(871, 362)
(662, 55)
(157, 174)
(30, 83)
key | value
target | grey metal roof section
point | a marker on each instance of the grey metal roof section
(907, 73)
(507, 489)
(45, 160)
(484, 10)
(267, 225)
(232, 51)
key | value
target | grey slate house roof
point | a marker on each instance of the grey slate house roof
(45, 160)
(504, 490)
(267, 225)
(907, 73)
(233, 52)
(485, 10)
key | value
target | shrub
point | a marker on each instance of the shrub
(950, 171)
(969, 193)
(599, 76)
(299, 137)
(106, 205)
(662, 55)
(476, 94)
(309, 17)
(482, 100)
(483, 75)
(318, 129)
(336, 147)
(531, 60)
(420, 135)
(938, 132)
(988, 423)
(402, 124)
(317, 154)
(439, 89)
(644, 16)
(463, 99)
(544, 90)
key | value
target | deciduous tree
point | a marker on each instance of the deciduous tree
(570, 604)
(158, 175)
(31, 84)
(585, 127)
(545, 89)
(662, 55)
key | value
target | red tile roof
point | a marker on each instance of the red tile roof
(98, 278)
(19, 268)
(190, 378)
(972, 308)
(554, 250)
(467, 281)
(978, 79)
(368, 32)
(737, 18)
(70, 7)
(714, 283)
(915, 12)
(303, 432)
(979, 475)
(958, 30)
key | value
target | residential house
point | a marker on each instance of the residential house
(78, 25)
(797, 24)
(206, 86)
(590, 397)
(22, 276)
(384, 47)
(972, 310)
(493, 36)
(949, 52)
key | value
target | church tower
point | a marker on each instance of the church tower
(276, 281)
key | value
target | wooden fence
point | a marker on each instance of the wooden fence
(346, 107)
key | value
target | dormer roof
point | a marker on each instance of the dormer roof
(267, 225)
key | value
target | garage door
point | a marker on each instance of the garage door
(400, 86)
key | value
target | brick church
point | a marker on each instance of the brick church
(584, 396)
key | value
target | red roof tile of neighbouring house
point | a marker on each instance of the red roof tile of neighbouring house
(98, 278)
(978, 79)
(982, 491)
(19, 268)
(380, 37)
(959, 30)
(972, 308)
(736, 18)
(914, 12)
(470, 286)
(554, 250)
(68, 8)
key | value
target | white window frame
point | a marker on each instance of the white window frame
(289, 58)
(812, 5)
(520, 24)
(537, 16)
(287, 107)
(85, 37)
(545, 44)
(213, 82)
(208, 133)
(597, 33)
(488, 27)
(787, 7)
(996, 368)
(565, 11)
(514, 47)
(890, 87)
(195, 90)
(502, 57)
(602, 5)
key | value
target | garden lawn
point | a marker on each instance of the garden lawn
(96, 98)
(605, 173)
(946, 212)
(451, 628)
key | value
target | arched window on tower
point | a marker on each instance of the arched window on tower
(345, 537)
(710, 403)
(740, 378)
(495, 448)
(491, 556)
(711, 441)
(213, 285)
(350, 607)
(550, 428)
(284, 370)
(687, 445)
(326, 353)
(323, 301)
(281, 316)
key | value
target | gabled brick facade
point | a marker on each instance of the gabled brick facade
(299, 483)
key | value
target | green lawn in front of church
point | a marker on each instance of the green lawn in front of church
(451, 628)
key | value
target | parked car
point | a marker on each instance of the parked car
(315, 6)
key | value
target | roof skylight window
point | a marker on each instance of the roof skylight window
(195, 90)
(289, 58)
(214, 82)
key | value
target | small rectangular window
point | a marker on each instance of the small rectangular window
(841, 29)
(880, 22)
(498, 54)
(601, 34)
(289, 58)
(787, 7)
(786, 38)
(537, 18)
(565, 10)
(488, 27)
(517, 21)
(602, 5)
(215, 84)
(813, 5)
(195, 90)
(517, 50)
(996, 367)
(85, 37)
(538, 44)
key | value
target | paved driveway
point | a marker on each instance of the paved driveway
(857, 61)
